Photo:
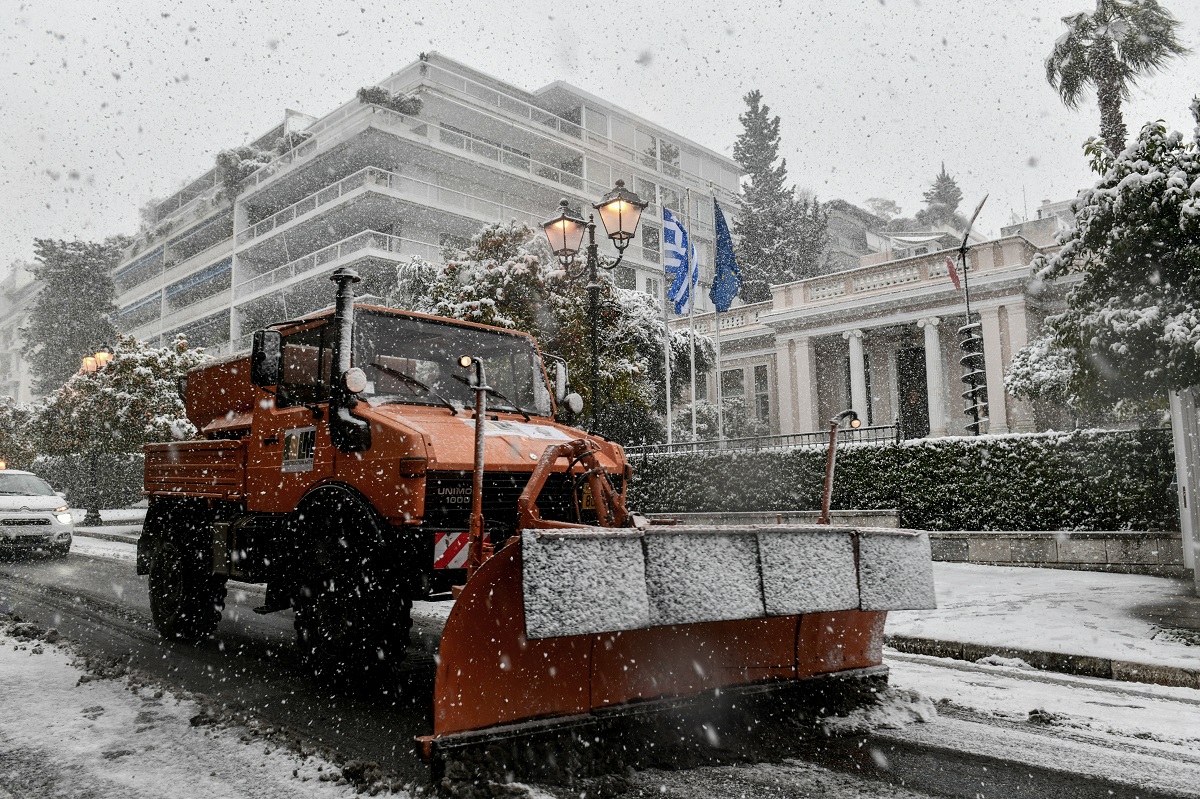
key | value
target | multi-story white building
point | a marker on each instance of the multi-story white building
(370, 187)
(18, 290)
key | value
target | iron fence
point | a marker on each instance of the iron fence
(883, 434)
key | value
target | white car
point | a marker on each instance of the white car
(32, 515)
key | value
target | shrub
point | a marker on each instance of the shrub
(1084, 480)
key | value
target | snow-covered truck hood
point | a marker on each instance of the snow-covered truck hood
(510, 442)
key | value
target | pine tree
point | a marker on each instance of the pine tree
(777, 231)
(941, 203)
(73, 313)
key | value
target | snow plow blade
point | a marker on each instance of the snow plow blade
(580, 651)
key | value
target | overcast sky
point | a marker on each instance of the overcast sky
(106, 105)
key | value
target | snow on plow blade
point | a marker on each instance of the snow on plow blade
(582, 632)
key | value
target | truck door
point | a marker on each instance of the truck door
(289, 447)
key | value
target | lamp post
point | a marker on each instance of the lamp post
(831, 458)
(92, 364)
(620, 210)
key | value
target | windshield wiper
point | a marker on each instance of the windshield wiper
(510, 406)
(412, 381)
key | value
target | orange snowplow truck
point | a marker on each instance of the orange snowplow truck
(337, 464)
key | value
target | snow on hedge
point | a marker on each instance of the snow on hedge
(1082, 480)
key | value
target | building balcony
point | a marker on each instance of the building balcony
(361, 245)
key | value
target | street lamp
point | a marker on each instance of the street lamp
(620, 210)
(831, 458)
(94, 363)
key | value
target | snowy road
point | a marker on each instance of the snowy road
(1085, 737)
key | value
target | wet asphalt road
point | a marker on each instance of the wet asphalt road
(250, 669)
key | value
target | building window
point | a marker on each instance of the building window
(672, 199)
(626, 278)
(647, 145)
(733, 383)
(651, 242)
(654, 287)
(762, 395)
(647, 190)
(669, 154)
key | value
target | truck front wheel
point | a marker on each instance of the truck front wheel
(352, 616)
(186, 599)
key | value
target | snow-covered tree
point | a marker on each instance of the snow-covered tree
(1131, 330)
(1108, 49)
(941, 203)
(735, 421)
(71, 317)
(883, 208)
(17, 448)
(508, 277)
(782, 237)
(132, 401)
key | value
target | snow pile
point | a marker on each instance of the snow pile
(807, 570)
(895, 570)
(895, 709)
(997, 660)
(577, 585)
(698, 577)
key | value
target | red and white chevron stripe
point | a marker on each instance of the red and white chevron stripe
(450, 550)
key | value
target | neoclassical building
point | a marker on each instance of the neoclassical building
(883, 338)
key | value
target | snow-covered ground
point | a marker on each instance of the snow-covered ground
(1052, 610)
(1156, 717)
(63, 733)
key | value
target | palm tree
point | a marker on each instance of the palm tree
(1109, 49)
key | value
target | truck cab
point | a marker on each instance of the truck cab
(340, 452)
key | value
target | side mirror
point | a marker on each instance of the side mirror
(560, 381)
(266, 358)
(574, 403)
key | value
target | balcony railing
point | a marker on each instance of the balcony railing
(371, 175)
(517, 107)
(370, 240)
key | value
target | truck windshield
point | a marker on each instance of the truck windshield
(416, 361)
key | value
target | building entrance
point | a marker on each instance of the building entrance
(914, 393)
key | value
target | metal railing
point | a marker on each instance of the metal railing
(371, 175)
(883, 434)
(360, 241)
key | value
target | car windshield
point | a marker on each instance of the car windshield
(416, 361)
(25, 485)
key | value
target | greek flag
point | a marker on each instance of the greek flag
(679, 262)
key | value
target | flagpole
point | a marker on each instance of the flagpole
(717, 379)
(667, 350)
(693, 268)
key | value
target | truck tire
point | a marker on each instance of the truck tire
(352, 614)
(186, 599)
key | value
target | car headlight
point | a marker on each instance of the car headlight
(63, 518)
(62, 509)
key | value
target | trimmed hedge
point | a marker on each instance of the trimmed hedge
(1083, 480)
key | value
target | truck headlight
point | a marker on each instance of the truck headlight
(63, 518)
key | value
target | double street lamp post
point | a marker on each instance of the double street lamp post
(620, 210)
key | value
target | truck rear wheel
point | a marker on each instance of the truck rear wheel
(186, 599)
(352, 616)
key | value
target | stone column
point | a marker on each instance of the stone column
(807, 408)
(785, 385)
(993, 358)
(1020, 411)
(935, 385)
(858, 374)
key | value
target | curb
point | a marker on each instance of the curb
(92, 532)
(1082, 665)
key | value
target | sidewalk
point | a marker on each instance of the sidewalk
(1121, 626)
